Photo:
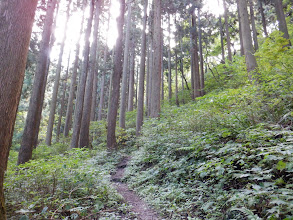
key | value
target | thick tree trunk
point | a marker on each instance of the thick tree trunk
(281, 19)
(247, 41)
(263, 18)
(124, 82)
(16, 21)
(69, 111)
(35, 106)
(56, 83)
(84, 139)
(227, 30)
(169, 60)
(140, 104)
(82, 82)
(117, 73)
(131, 79)
(253, 26)
(156, 69)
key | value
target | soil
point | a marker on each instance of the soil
(141, 208)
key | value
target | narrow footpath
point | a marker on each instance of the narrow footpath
(142, 210)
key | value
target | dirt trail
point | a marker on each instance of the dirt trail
(143, 211)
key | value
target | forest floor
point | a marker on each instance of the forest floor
(142, 210)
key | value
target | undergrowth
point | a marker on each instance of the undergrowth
(228, 155)
(64, 184)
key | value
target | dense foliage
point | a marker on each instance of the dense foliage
(62, 184)
(229, 154)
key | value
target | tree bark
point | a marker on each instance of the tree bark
(195, 58)
(227, 30)
(202, 92)
(162, 68)
(69, 111)
(221, 35)
(124, 82)
(111, 82)
(30, 129)
(131, 79)
(263, 18)
(149, 75)
(176, 79)
(281, 19)
(56, 83)
(139, 117)
(82, 82)
(117, 73)
(84, 139)
(16, 21)
(247, 41)
(253, 26)
(156, 69)
(169, 61)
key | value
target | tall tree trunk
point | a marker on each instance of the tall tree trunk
(202, 92)
(182, 69)
(124, 82)
(169, 60)
(192, 59)
(29, 133)
(69, 111)
(195, 58)
(221, 35)
(117, 73)
(156, 69)
(39, 114)
(16, 21)
(149, 75)
(102, 93)
(176, 79)
(111, 82)
(62, 102)
(281, 19)
(162, 68)
(56, 84)
(240, 34)
(82, 81)
(247, 41)
(263, 19)
(139, 117)
(136, 85)
(131, 79)
(227, 30)
(84, 139)
(253, 26)
(95, 88)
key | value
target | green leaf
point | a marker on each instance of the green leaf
(281, 165)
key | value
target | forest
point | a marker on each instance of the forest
(146, 109)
